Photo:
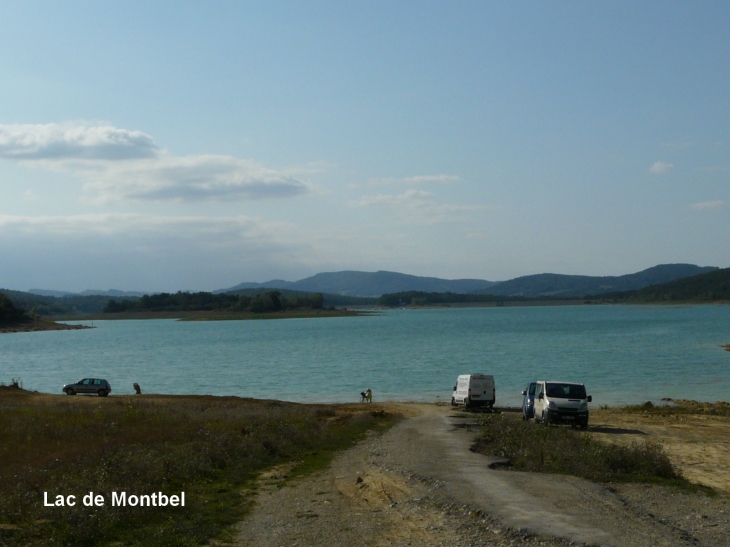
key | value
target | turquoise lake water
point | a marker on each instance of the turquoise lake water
(624, 354)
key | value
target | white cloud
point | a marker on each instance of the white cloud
(707, 205)
(203, 230)
(409, 198)
(417, 179)
(660, 167)
(717, 168)
(61, 141)
(419, 207)
(188, 178)
(137, 251)
(121, 165)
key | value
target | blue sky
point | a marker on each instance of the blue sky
(191, 145)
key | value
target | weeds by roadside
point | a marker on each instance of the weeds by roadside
(528, 447)
(208, 447)
(679, 407)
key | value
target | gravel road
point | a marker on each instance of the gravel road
(419, 484)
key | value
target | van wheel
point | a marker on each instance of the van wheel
(583, 427)
(453, 402)
(544, 419)
(467, 402)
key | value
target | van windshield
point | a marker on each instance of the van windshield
(565, 391)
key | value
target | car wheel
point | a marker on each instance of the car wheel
(70, 391)
(102, 393)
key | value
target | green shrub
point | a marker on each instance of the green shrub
(209, 447)
(528, 447)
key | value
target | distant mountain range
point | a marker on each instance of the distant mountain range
(557, 285)
(341, 287)
(89, 292)
(373, 284)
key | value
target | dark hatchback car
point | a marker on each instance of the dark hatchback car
(528, 401)
(89, 385)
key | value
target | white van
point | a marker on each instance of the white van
(474, 390)
(562, 403)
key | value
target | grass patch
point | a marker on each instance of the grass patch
(678, 407)
(529, 447)
(209, 447)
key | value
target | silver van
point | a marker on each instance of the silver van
(562, 403)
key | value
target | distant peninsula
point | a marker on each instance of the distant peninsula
(15, 319)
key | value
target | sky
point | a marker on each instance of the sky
(164, 146)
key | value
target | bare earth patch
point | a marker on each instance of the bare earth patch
(698, 445)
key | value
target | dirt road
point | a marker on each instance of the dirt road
(419, 484)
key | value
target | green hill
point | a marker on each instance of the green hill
(557, 285)
(368, 284)
(708, 287)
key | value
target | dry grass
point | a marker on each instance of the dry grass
(209, 447)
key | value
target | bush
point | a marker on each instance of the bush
(565, 451)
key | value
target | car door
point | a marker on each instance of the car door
(86, 385)
(539, 400)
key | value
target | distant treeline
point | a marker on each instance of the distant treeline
(9, 313)
(418, 298)
(204, 301)
(707, 287)
(94, 304)
(53, 305)
(329, 299)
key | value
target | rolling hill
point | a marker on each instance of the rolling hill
(558, 285)
(373, 284)
(708, 287)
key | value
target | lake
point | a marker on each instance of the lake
(624, 354)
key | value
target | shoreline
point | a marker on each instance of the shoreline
(39, 325)
(212, 315)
